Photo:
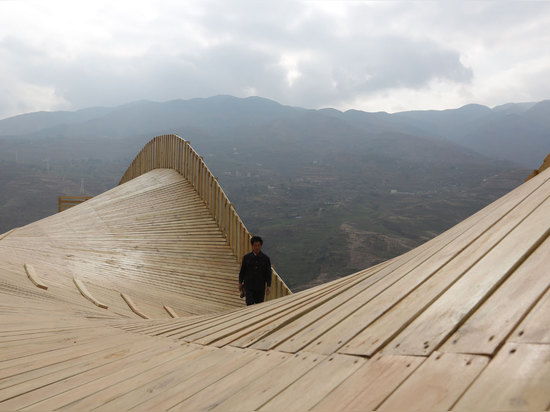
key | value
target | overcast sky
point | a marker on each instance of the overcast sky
(373, 56)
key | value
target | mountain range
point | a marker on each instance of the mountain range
(332, 191)
(517, 132)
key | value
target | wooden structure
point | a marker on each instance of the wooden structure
(172, 152)
(66, 202)
(459, 323)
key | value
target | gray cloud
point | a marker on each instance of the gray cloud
(312, 54)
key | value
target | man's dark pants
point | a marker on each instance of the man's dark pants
(254, 296)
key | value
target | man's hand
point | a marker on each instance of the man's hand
(240, 287)
(267, 290)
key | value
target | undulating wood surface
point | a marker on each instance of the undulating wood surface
(172, 152)
(460, 323)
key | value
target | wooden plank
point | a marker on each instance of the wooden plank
(31, 273)
(40, 383)
(232, 384)
(170, 311)
(51, 355)
(268, 384)
(534, 328)
(234, 359)
(315, 384)
(76, 198)
(84, 291)
(517, 379)
(133, 306)
(26, 345)
(370, 384)
(446, 314)
(63, 392)
(491, 324)
(437, 384)
(126, 393)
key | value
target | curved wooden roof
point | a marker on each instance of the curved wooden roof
(460, 323)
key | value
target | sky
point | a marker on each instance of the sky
(366, 55)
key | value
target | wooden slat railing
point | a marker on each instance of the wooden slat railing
(173, 152)
(66, 202)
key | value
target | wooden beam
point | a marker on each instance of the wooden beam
(34, 277)
(171, 311)
(86, 293)
(133, 306)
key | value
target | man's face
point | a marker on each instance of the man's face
(256, 247)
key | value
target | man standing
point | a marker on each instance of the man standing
(255, 273)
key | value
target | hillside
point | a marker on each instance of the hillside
(331, 192)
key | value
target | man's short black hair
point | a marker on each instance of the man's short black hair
(255, 239)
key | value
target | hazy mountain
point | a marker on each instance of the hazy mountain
(514, 108)
(333, 192)
(34, 122)
(518, 132)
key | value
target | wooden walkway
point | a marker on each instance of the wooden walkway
(460, 323)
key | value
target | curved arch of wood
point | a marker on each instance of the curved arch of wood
(173, 152)
(459, 323)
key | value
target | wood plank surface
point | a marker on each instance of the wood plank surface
(88, 381)
(304, 393)
(132, 390)
(446, 314)
(231, 384)
(184, 388)
(535, 327)
(516, 380)
(269, 384)
(370, 384)
(39, 383)
(440, 380)
(493, 322)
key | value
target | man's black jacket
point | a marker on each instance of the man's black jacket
(255, 271)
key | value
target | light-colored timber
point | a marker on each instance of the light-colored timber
(171, 311)
(133, 306)
(172, 152)
(31, 273)
(66, 202)
(459, 323)
(86, 293)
